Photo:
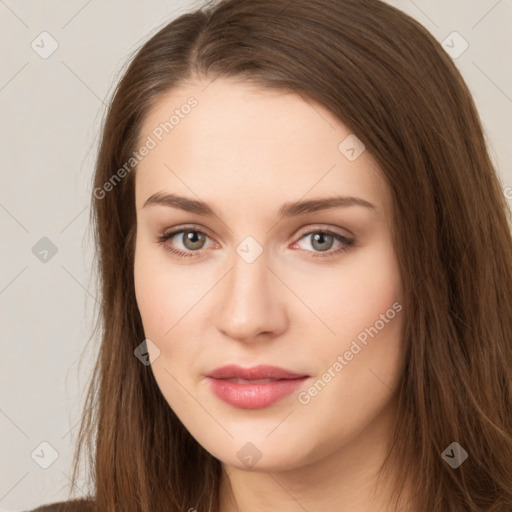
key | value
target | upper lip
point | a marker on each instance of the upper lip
(254, 373)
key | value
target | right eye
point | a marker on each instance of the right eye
(192, 239)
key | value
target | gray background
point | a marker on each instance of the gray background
(51, 110)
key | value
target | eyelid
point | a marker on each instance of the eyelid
(324, 228)
(297, 236)
(172, 232)
(346, 242)
(187, 227)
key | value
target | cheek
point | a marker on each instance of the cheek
(364, 309)
(155, 292)
(166, 298)
(354, 295)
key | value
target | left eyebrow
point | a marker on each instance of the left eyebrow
(314, 205)
(291, 209)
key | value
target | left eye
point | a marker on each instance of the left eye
(319, 238)
(193, 241)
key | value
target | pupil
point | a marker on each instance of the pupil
(321, 237)
(194, 238)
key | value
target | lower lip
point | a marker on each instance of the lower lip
(254, 396)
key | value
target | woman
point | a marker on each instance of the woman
(243, 365)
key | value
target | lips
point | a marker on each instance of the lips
(253, 388)
(265, 373)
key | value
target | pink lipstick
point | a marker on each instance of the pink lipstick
(253, 388)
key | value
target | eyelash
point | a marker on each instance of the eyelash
(348, 243)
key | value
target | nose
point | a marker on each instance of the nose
(251, 302)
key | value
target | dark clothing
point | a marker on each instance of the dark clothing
(67, 506)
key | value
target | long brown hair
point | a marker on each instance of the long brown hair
(384, 76)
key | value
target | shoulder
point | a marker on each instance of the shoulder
(67, 506)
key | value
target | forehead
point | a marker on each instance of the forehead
(239, 138)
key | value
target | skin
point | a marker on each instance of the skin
(245, 151)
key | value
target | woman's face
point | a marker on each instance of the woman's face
(312, 290)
